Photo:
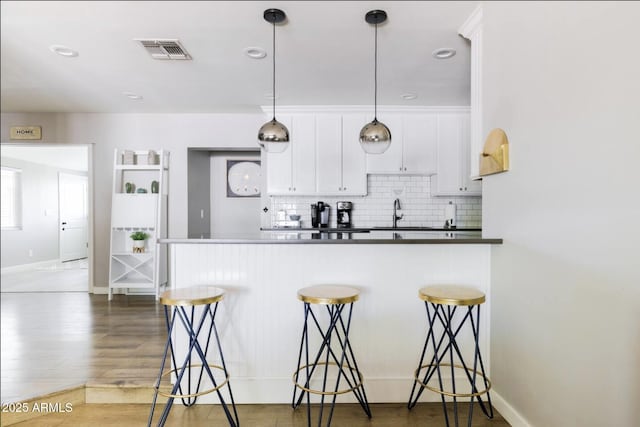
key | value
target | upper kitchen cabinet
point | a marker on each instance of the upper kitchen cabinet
(293, 172)
(453, 159)
(413, 145)
(340, 161)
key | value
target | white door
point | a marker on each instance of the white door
(73, 206)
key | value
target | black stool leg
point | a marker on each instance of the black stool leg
(352, 365)
(170, 324)
(224, 367)
(433, 339)
(446, 319)
(477, 358)
(346, 356)
(187, 321)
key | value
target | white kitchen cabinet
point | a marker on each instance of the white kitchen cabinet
(453, 160)
(138, 203)
(419, 143)
(413, 145)
(341, 162)
(293, 171)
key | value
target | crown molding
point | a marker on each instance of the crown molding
(297, 109)
(472, 24)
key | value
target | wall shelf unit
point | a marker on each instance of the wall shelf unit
(139, 203)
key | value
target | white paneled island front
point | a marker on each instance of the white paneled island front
(260, 319)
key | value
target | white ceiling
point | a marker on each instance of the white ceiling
(324, 55)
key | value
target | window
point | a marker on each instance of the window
(11, 200)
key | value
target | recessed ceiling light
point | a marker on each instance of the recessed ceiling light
(255, 52)
(408, 96)
(132, 95)
(63, 50)
(443, 53)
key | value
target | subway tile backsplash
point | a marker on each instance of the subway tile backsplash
(375, 209)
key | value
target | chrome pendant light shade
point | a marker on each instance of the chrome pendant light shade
(273, 136)
(375, 137)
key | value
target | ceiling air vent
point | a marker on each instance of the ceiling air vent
(164, 48)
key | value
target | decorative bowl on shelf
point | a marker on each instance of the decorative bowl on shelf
(294, 217)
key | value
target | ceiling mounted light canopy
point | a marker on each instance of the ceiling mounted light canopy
(375, 137)
(273, 136)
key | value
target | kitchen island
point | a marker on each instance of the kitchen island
(260, 320)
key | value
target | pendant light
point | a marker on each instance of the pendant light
(375, 137)
(273, 136)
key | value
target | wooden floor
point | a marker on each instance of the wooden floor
(346, 415)
(53, 341)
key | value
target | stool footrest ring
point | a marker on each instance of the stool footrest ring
(448, 393)
(182, 396)
(328, 392)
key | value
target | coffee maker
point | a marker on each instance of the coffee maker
(320, 215)
(344, 214)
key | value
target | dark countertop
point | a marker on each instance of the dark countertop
(377, 236)
(365, 229)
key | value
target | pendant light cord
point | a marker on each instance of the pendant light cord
(274, 71)
(375, 78)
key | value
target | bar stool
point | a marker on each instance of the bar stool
(178, 301)
(444, 301)
(335, 349)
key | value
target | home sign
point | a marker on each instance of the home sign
(26, 132)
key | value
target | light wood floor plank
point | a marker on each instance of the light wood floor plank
(346, 415)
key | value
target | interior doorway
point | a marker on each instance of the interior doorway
(225, 188)
(56, 187)
(73, 208)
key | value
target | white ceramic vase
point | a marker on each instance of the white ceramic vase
(138, 246)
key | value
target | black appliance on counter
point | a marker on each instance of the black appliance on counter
(320, 215)
(344, 214)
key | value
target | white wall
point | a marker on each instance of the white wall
(231, 214)
(563, 80)
(173, 132)
(37, 239)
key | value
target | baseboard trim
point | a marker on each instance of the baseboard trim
(508, 412)
(102, 290)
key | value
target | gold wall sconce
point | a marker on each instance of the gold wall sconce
(495, 153)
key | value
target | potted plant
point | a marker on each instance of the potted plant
(139, 238)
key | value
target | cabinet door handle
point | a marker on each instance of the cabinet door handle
(405, 169)
(460, 188)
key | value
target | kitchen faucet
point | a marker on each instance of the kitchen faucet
(396, 217)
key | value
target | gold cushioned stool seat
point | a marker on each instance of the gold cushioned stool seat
(442, 302)
(194, 308)
(334, 350)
